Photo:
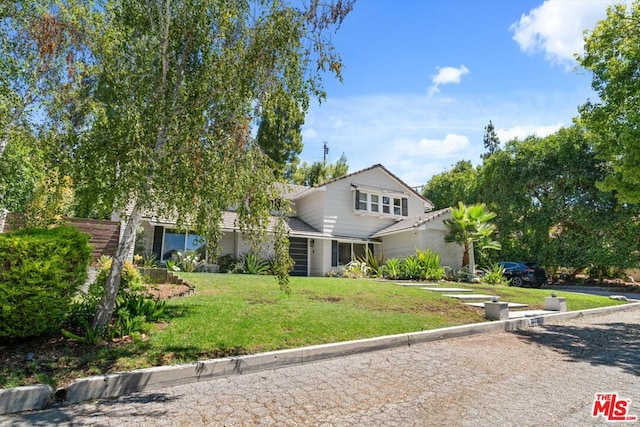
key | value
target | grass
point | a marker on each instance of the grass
(240, 314)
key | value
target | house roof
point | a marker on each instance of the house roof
(385, 170)
(411, 223)
(295, 225)
(291, 191)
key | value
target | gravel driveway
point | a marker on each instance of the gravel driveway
(543, 376)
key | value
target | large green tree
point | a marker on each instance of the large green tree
(549, 206)
(612, 54)
(162, 119)
(317, 172)
(280, 131)
(459, 184)
(39, 51)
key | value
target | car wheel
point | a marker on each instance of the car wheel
(516, 281)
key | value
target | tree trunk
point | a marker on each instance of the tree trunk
(112, 286)
(465, 255)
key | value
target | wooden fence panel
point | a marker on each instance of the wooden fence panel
(103, 234)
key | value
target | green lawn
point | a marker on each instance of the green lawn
(241, 314)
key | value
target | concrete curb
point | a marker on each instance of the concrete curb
(114, 385)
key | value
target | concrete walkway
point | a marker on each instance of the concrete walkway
(541, 376)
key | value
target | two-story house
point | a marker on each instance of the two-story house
(334, 222)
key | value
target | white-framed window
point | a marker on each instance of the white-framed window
(179, 241)
(342, 253)
(375, 206)
(380, 203)
(362, 201)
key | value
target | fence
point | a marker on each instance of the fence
(103, 234)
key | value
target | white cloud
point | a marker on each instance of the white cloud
(556, 28)
(451, 145)
(524, 131)
(309, 133)
(447, 75)
(416, 136)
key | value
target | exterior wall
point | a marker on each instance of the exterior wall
(147, 236)
(318, 254)
(333, 212)
(310, 209)
(400, 245)
(431, 236)
(228, 245)
(450, 253)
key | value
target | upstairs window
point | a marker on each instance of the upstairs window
(371, 202)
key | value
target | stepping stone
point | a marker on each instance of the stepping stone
(448, 289)
(472, 296)
(410, 284)
(511, 304)
(414, 284)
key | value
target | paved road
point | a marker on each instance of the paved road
(544, 376)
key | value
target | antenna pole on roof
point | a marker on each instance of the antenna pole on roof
(325, 149)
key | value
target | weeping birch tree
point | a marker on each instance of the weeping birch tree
(163, 118)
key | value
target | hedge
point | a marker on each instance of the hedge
(40, 272)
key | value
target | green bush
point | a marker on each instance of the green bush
(391, 269)
(494, 275)
(251, 263)
(40, 272)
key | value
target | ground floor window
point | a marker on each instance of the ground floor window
(342, 253)
(179, 241)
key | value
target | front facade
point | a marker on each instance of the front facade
(334, 223)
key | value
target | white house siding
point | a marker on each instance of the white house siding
(311, 210)
(320, 257)
(341, 217)
(450, 253)
(147, 235)
(400, 245)
(228, 245)
(405, 243)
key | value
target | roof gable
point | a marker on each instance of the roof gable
(388, 173)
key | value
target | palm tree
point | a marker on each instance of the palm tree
(470, 225)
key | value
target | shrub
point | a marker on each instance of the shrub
(494, 275)
(131, 278)
(227, 263)
(40, 272)
(374, 263)
(189, 261)
(391, 269)
(356, 270)
(411, 268)
(430, 262)
(251, 263)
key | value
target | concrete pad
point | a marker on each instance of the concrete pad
(528, 313)
(448, 289)
(472, 296)
(25, 398)
(511, 304)
(415, 284)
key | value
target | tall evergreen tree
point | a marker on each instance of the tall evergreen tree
(491, 141)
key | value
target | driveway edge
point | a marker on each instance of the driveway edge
(113, 385)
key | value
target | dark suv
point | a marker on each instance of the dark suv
(524, 274)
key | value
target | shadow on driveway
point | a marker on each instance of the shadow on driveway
(58, 415)
(608, 344)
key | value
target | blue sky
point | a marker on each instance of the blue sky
(422, 78)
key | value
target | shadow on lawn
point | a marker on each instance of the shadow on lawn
(609, 344)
